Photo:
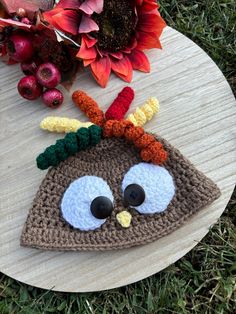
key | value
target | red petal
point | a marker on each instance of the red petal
(8, 22)
(117, 55)
(139, 61)
(148, 41)
(101, 70)
(91, 6)
(122, 68)
(139, 2)
(68, 4)
(89, 41)
(67, 21)
(131, 46)
(149, 6)
(88, 62)
(87, 25)
(49, 14)
(151, 23)
(85, 52)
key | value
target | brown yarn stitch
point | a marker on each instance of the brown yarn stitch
(111, 159)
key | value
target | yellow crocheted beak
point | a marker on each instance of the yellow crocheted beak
(124, 218)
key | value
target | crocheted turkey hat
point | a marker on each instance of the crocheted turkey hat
(111, 185)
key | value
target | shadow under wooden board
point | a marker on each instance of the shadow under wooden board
(198, 116)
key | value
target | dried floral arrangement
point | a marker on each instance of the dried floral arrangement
(53, 40)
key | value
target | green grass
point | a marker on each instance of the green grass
(211, 24)
(204, 281)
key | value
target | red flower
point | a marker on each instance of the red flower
(118, 45)
(73, 16)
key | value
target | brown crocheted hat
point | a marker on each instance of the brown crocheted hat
(105, 197)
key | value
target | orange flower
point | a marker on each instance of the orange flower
(74, 16)
(126, 28)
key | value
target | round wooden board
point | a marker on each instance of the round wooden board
(197, 116)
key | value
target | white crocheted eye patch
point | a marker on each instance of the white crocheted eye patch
(157, 183)
(77, 199)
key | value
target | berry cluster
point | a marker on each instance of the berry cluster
(40, 79)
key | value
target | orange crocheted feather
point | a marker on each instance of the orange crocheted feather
(150, 149)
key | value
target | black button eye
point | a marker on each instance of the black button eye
(134, 195)
(101, 207)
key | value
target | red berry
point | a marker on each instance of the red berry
(20, 48)
(53, 98)
(48, 75)
(29, 88)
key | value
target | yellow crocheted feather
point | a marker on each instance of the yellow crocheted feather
(145, 113)
(63, 125)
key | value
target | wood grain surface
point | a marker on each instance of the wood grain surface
(198, 116)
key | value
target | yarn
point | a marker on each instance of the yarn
(89, 106)
(124, 218)
(71, 144)
(84, 139)
(61, 152)
(62, 125)
(157, 184)
(120, 105)
(145, 113)
(112, 160)
(77, 199)
(151, 149)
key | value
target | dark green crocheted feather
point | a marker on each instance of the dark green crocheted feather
(69, 146)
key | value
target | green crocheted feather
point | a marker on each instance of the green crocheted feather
(69, 146)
